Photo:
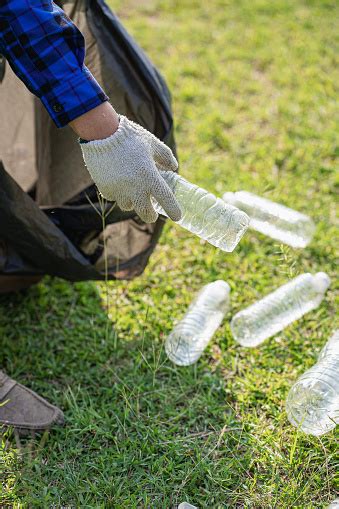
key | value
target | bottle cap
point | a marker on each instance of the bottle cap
(322, 281)
(221, 288)
(221, 282)
(214, 295)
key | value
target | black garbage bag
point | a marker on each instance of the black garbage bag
(50, 213)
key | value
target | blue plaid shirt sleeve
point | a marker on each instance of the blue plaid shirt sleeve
(46, 51)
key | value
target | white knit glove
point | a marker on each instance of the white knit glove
(125, 167)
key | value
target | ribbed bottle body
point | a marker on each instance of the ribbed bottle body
(205, 215)
(273, 313)
(313, 402)
(191, 335)
(273, 219)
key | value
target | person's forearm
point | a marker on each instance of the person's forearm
(33, 36)
(97, 124)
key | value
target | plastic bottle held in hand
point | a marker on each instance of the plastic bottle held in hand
(205, 215)
(272, 219)
(273, 313)
(313, 402)
(190, 336)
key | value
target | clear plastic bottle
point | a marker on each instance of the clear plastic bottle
(273, 219)
(334, 504)
(274, 312)
(313, 402)
(186, 505)
(331, 347)
(205, 215)
(190, 336)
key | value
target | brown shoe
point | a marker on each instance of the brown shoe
(23, 409)
(9, 284)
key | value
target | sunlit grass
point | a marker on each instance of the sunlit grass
(253, 85)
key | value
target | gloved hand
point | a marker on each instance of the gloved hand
(125, 167)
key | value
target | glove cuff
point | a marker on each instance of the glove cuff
(117, 139)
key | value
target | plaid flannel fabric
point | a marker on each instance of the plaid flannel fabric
(46, 51)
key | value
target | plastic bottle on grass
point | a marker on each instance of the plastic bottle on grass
(190, 336)
(273, 313)
(205, 215)
(186, 505)
(273, 219)
(331, 347)
(313, 402)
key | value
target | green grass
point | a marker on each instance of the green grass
(254, 97)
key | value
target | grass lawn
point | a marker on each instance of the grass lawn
(253, 85)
